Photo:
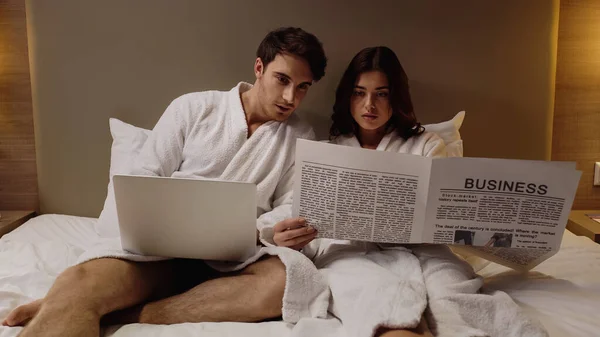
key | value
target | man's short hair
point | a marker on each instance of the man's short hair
(295, 41)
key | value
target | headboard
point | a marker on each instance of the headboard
(91, 60)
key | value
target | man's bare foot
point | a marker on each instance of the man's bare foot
(22, 314)
(62, 321)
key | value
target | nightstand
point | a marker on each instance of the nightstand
(13, 219)
(580, 224)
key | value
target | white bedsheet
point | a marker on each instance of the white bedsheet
(563, 292)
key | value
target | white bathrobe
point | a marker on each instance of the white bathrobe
(372, 287)
(382, 286)
(204, 136)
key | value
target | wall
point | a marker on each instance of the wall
(18, 181)
(92, 60)
(576, 134)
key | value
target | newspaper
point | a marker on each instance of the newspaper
(512, 212)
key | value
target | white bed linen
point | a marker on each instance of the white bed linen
(563, 292)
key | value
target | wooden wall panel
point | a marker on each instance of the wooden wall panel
(576, 130)
(18, 177)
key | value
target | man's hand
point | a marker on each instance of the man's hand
(293, 233)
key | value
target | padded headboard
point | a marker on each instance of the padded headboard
(91, 60)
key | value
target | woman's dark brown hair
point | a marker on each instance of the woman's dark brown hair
(383, 59)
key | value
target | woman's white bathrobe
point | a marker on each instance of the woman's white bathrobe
(204, 136)
(383, 286)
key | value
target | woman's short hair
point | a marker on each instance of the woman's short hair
(382, 59)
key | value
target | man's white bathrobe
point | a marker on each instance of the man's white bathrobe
(204, 136)
(391, 286)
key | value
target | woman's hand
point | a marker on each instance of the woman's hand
(293, 233)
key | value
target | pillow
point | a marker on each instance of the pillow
(128, 141)
(448, 131)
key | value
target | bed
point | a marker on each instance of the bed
(563, 292)
(99, 59)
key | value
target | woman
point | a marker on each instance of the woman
(373, 110)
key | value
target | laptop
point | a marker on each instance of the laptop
(186, 218)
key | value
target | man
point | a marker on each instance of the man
(246, 134)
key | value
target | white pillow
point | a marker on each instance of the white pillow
(449, 132)
(128, 140)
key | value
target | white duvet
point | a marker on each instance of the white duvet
(563, 292)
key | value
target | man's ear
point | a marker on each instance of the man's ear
(258, 68)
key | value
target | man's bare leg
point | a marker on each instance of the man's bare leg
(84, 293)
(254, 294)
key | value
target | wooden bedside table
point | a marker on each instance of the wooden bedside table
(13, 219)
(581, 224)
